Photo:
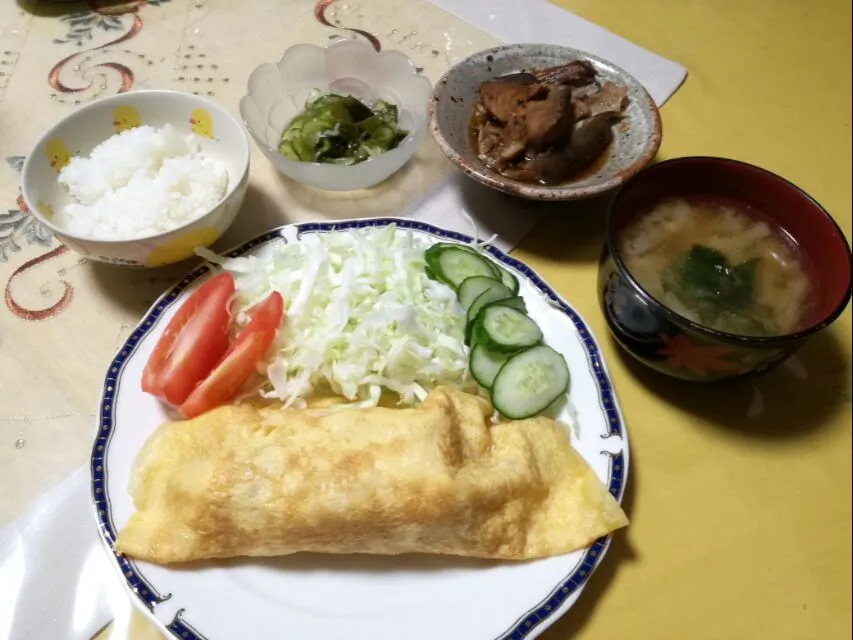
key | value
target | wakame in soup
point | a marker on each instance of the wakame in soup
(718, 266)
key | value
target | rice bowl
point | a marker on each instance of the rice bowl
(139, 182)
(156, 235)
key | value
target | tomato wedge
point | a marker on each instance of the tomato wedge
(193, 342)
(240, 361)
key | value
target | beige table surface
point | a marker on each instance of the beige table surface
(740, 497)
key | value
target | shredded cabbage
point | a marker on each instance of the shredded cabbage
(361, 316)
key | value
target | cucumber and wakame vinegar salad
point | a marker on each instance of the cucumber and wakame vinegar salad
(507, 356)
(338, 129)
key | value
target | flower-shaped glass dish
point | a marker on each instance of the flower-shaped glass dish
(278, 92)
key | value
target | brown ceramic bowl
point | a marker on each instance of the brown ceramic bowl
(670, 343)
(636, 140)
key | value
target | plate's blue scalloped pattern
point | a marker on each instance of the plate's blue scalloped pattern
(150, 597)
(180, 628)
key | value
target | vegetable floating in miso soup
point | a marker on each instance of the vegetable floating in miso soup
(719, 266)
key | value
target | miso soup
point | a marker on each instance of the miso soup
(716, 264)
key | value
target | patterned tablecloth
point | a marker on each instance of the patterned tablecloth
(64, 315)
(739, 496)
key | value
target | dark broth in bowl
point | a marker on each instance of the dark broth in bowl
(719, 265)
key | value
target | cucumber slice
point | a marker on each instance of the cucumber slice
(441, 246)
(500, 273)
(494, 293)
(453, 245)
(516, 302)
(452, 265)
(509, 280)
(473, 287)
(501, 328)
(529, 382)
(485, 364)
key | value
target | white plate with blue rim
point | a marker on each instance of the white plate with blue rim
(356, 597)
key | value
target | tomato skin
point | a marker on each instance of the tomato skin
(193, 342)
(240, 361)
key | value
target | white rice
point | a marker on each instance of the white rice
(139, 182)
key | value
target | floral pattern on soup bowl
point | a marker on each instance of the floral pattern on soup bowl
(278, 92)
(676, 346)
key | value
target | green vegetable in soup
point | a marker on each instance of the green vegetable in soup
(341, 130)
(720, 293)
